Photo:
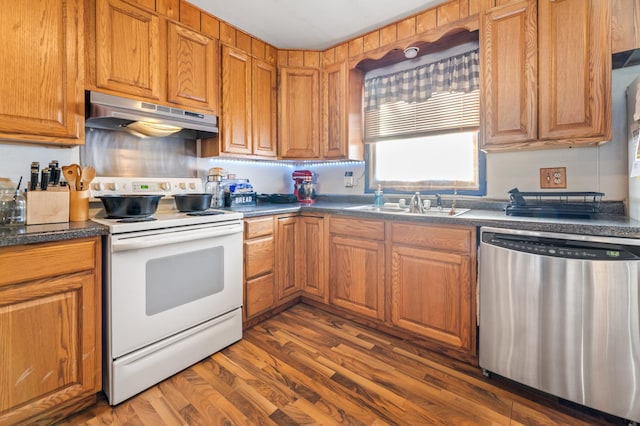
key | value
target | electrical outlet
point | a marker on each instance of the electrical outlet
(552, 178)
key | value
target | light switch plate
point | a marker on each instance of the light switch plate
(553, 178)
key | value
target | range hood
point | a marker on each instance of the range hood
(626, 59)
(145, 118)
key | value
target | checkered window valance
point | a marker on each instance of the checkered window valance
(460, 73)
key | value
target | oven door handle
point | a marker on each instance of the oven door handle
(136, 243)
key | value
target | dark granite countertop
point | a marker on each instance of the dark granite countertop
(486, 215)
(30, 234)
(613, 225)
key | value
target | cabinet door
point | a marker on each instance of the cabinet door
(431, 295)
(299, 115)
(335, 114)
(49, 330)
(310, 256)
(235, 129)
(625, 25)
(191, 68)
(575, 70)
(509, 74)
(128, 52)
(286, 279)
(356, 275)
(41, 89)
(264, 110)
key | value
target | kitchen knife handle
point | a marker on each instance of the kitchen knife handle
(44, 179)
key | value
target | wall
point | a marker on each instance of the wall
(15, 159)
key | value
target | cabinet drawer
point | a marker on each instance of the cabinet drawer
(34, 261)
(258, 227)
(458, 239)
(259, 257)
(260, 294)
(369, 229)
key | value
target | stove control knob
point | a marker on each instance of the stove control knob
(112, 186)
(99, 186)
(165, 186)
(192, 185)
(182, 185)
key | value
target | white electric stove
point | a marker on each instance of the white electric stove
(172, 285)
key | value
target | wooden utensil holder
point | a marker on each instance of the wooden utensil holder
(78, 206)
(50, 206)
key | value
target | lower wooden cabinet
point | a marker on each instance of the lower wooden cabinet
(356, 266)
(259, 266)
(417, 280)
(432, 271)
(50, 330)
(286, 239)
(310, 257)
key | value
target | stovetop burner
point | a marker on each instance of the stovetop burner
(133, 219)
(205, 213)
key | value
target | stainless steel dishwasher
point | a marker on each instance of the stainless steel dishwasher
(560, 313)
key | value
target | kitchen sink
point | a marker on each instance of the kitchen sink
(433, 211)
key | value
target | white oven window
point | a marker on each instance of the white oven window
(176, 280)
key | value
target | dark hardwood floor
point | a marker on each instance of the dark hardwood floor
(306, 366)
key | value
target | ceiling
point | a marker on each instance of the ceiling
(311, 24)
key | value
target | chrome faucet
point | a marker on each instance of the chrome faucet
(439, 201)
(415, 205)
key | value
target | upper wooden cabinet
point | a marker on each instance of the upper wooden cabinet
(509, 90)
(135, 52)
(42, 93)
(574, 77)
(248, 121)
(235, 129)
(342, 112)
(565, 81)
(191, 68)
(299, 114)
(625, 25)
(128, 56)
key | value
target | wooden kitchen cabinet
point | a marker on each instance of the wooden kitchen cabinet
(248, 121)
(50, 330)
(259, 266)
(286, 250)
(192, 68)
(129, 47)
(299, 113)
(509, 54)
(432, 271)
(136, 53)
(42, 84)
(574, 74)
(356, 266)
(310, 257)
(342, 112)
(625, 25)
(565, 82)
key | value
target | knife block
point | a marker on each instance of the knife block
(50, 206)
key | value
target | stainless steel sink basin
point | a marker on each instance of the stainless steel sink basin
(433, 211)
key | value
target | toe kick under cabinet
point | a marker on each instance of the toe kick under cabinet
(50, 322)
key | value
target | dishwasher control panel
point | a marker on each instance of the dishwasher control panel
(568, 249)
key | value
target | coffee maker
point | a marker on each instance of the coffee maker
(304, 187)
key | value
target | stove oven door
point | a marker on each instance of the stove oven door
(162, 282)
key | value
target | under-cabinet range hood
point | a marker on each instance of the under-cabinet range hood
(145, 118)
(626, 59)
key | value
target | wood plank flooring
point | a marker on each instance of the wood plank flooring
(305, 366)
